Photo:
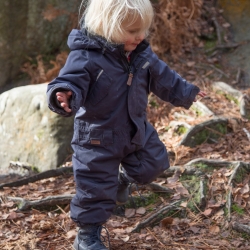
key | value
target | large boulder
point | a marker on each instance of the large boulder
(30, 132)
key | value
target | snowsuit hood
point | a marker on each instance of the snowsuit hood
(80, 40)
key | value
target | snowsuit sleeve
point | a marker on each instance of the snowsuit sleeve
(170, 86)
(74, 76)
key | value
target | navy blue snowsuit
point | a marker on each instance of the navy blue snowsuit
(109, 101)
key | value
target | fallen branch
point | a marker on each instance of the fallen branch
(211, 163)
(225, 46)
(156, 216)
(229, 202)
(24, 205)
(238, 76)
(190, 168)
(218, 29)
(241, 228)
(211, 66)
(233, 175)
(154, 187)
(38, 177)
(247, 133)
(202, 202)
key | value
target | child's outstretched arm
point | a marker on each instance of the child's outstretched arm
(67, 92)
(170, 86)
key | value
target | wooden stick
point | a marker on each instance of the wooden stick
(38, 177)
(24, 204)
(153, 218)
(241, 228)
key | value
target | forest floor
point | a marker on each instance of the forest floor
(162, 219)
(184, 226)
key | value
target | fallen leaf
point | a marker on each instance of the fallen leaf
(184, 204)
(141, 210)
(214, 229)
(166, 222)
(194, 229)
(207, 212)
(124, 238)
(71, 234)
(129, 212)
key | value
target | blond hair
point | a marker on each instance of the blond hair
(105, 17)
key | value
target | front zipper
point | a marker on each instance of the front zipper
(130, 73)
(130, 78)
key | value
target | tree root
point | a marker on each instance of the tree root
(191, 168)
(24, 205)
(241, 228)
(38, 177)
(154, 187)
(189, 138)
(156, 217)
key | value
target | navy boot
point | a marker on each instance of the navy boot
(88, 238)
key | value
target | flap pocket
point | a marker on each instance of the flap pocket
(101, 137)
(95, 137)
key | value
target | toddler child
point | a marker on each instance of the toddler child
(105, 83)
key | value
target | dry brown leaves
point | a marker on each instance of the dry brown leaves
(36, 229)
(50, 228)
(176, 26)
(41, 73)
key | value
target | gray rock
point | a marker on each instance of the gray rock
(30, 132)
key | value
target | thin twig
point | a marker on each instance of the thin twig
(247, 133)
(188, 245)
(237, 166)
(192, 12)
(229, 202)
(155, 237)
(61, 209)
(217, 26)
(214, 131)
(238, 75)
(213, 67)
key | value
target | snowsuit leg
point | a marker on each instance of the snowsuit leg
(96, 173)
(96, 170)
(149, 161)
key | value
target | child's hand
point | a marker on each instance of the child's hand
(63, 98)
(201, 94)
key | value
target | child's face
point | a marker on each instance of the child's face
(134, 34)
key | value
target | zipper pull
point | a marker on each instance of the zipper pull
(130, 77)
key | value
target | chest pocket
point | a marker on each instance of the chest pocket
(100, 88)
